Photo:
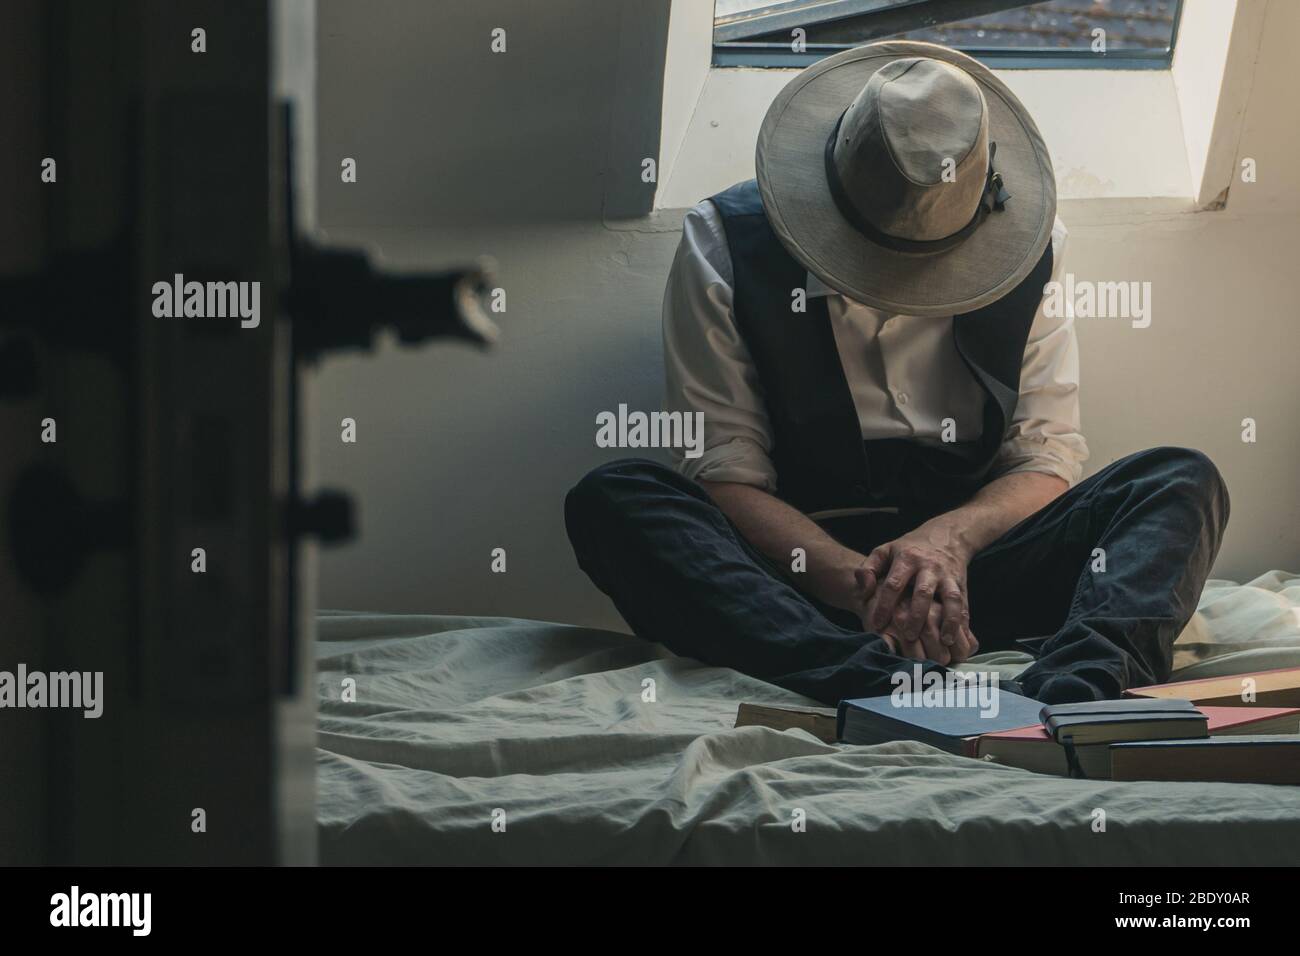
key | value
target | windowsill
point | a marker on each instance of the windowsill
(1080, 113)
(1123, 142)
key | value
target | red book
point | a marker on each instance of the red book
(1030, 748)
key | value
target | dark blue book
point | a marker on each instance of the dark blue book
(1109, 721)
(955, 726)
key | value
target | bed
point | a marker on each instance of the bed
(472, 740)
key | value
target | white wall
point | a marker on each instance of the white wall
(460, 452)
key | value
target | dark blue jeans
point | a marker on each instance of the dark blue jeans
(682, 575)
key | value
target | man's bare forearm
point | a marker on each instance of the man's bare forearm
(996, 509)
(776, 529)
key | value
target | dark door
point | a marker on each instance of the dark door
(145, 535)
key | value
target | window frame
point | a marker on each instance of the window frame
(769, 55)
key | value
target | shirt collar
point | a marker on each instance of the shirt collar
(815, 288)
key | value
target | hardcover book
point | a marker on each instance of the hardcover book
(1107, 721)
(818, 721)
(956, 729)
(1274, 688)
(1248, 759)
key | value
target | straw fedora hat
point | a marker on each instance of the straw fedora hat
(908, 177)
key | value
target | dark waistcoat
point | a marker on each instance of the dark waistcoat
(820, 458)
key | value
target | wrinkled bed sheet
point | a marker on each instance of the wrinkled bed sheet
(494, 740)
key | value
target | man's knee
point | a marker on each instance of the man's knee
(608, 491)
(1197, 473)
(1190, 474)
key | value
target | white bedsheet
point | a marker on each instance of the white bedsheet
(547, 729)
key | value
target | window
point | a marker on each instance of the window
(1125, 34)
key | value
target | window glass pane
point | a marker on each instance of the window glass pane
(1062, 25)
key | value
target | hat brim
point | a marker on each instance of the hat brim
(790, 163)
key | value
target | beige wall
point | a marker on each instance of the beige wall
(460, 452)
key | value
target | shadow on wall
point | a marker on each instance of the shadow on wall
(459, 452)
(491, 112)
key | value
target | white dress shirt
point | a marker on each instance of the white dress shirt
(904, 372)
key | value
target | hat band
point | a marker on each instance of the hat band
(994, 197)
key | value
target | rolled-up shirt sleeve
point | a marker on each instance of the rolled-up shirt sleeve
(1045, 434)
(708, 368)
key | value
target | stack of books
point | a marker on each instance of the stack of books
(1034, 748)
(1243, 729)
